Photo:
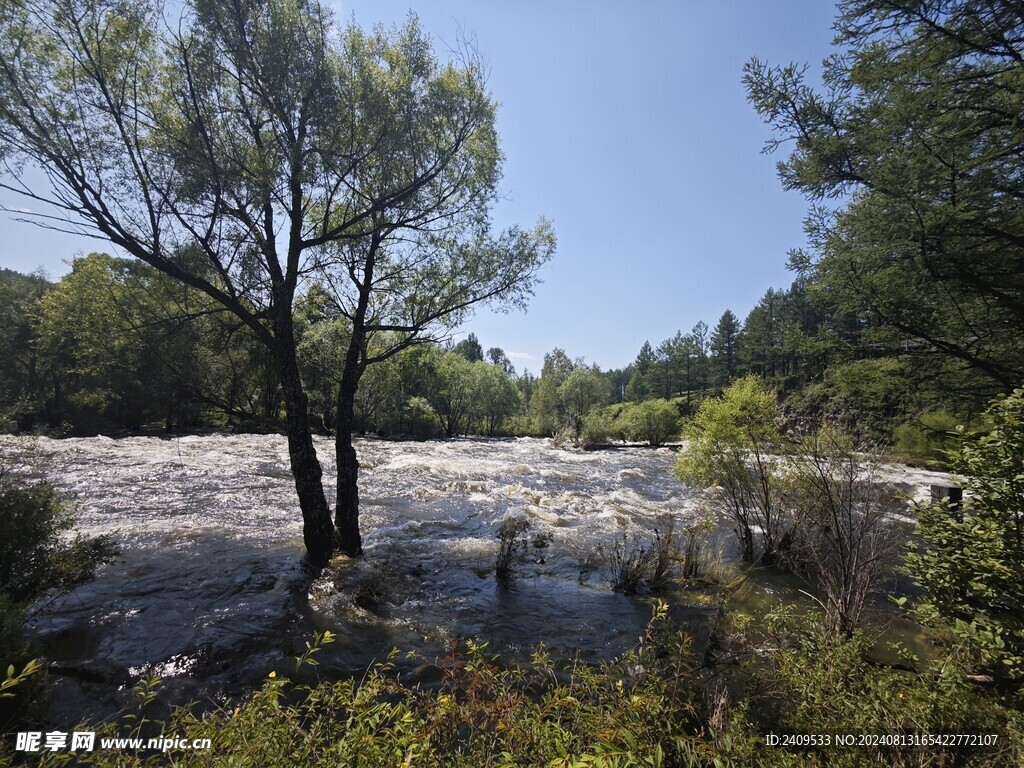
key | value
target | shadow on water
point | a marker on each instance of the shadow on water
(210, 617)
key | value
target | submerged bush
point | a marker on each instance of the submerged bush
(733, 445)
(640, 563)
(512, 548)
(696, 561)
(600, 427)
(630, 562)
(652, 421)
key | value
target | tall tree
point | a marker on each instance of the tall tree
(762, 335)
(497, 396)
(498, 357)
(451, 390)
(917, 131)
(644, 358)
(546, 403)
(583, 390)
(724, 344)
(21, 375)
(276, 146)
(701, 347)
(470, 348)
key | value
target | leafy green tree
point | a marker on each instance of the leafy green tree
(497, 356)
(645, 358)
(732, 442)
(35, 552)
(845, 540)
(267, 144)
(497, 396)
(618, 379)
(653, 421)
(380, 397)
(917, 131)
(762, 336)
(451, 390)
(546, 405)
(971, 560)
(583, 390)
(701, 344)
(114, 356)
(600, 427)
(637, 389)
(21, 375)
(664, 376)
(321, 340)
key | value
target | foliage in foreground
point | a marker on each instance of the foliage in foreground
(798, 680)
(35, 556)
(653, 707)
(971, 561)
(636, 712)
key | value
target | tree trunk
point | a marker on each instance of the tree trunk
(346, 513)
(317, 532)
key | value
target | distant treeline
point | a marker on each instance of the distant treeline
(116, 346)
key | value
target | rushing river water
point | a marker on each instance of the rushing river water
(209, 590)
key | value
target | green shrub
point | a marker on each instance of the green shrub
(926, 439)
(35, 556)
(652, 421)
(733, 441)
(971, 560)
(630, 562)
(653, 562)
(696, 561)
(600, 427)
(34, 553)
(419, 419)
(20, 687)
(512, 548)
(805, 683)
(522, 426)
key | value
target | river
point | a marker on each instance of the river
(210, 592)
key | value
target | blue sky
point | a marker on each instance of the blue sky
(627, 125)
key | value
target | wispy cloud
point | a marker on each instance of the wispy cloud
(518, 355)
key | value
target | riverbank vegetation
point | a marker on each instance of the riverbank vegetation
(657, 705)
(37, 557)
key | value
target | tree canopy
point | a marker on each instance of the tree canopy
(910, 152)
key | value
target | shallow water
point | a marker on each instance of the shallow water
(210, 591)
